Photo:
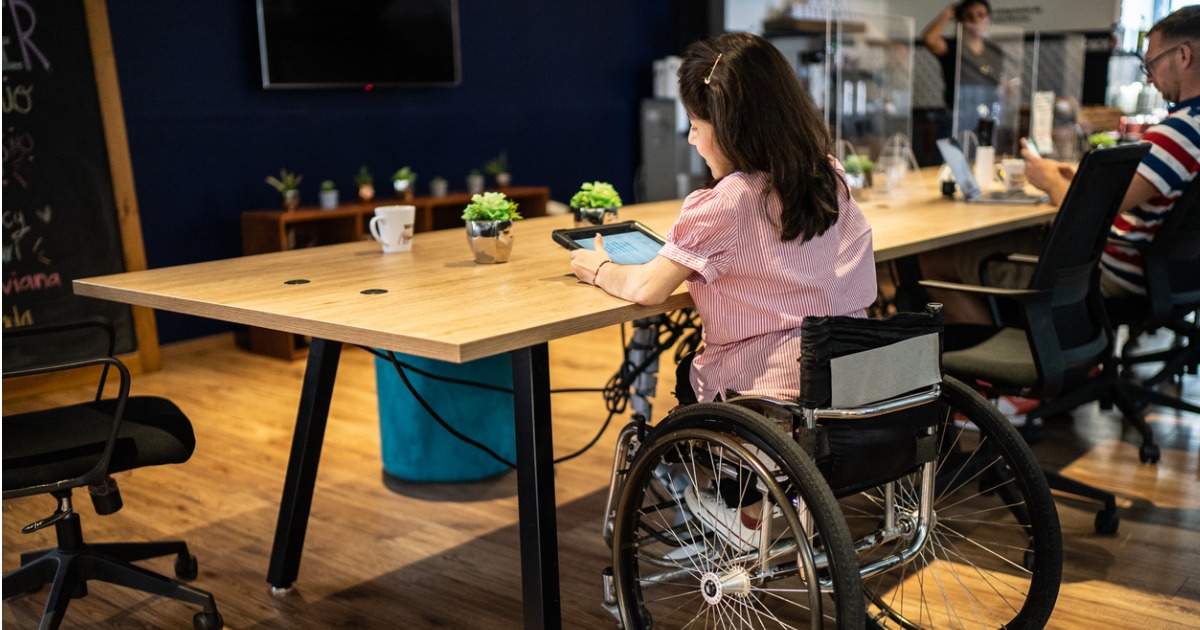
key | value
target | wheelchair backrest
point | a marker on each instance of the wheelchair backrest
(852, 361)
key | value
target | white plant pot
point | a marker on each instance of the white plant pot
(329, 199)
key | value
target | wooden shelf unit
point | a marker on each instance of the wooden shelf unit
(265, 231)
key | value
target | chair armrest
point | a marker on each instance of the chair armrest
(1023, 259)
(981, 290)
(100, 470)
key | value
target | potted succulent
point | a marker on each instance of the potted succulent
(329, 195)
(404, 182)
(596, 203)
(366, 183)
(859, 169)
(438, 187)
(489, 219)
(498, 167)
(474, 181)
(288, 185)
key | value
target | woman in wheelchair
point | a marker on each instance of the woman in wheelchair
(792, 503)
(774, 237)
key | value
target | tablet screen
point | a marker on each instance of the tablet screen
(625, 248)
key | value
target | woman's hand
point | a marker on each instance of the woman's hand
(586, 263)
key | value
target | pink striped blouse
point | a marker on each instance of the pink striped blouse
(752, 290)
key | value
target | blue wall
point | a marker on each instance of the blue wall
(554, 84)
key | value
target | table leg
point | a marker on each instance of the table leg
(535, 487)
(319, 375)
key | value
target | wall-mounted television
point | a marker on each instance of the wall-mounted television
(362, 44)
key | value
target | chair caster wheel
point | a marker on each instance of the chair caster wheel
(208, 621)
(1107, 521)
(1149, 453)
(186, 567)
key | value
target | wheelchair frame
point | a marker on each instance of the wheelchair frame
(905, 535)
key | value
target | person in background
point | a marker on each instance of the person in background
(982, 63)
(774, 238)
(1173, 67)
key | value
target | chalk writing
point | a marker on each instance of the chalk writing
(18, 153)
(32, 282)
(17, 318)
(18, 99)
(24, 21)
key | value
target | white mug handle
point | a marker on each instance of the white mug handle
(374, 227)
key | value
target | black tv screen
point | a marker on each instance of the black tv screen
(360, 44)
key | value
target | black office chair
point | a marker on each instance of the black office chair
(53, 451)
(1063, 333)
(1171, 264)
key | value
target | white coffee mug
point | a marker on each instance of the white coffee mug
(1014, 173)
(392, 226)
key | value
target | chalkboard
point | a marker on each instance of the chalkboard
(68, 204)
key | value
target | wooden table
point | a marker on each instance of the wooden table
(436, 302)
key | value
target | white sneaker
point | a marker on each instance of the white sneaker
(726, 522)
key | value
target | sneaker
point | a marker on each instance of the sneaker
(731, 525)
(1016, 409)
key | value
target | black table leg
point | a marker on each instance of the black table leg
(535, 487)
(319, 375)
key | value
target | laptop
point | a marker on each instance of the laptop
(972, 193)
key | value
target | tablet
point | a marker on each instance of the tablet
(627, 242)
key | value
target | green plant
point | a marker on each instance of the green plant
(328, 185)
(856, 164)
(497, 165)
(405, 174)
(491, 206)
(596, 195)
(474, 173)
(364, 177)
(1101, 139)
(438, 179)
(286, 181)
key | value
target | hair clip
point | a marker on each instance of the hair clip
(708, 79)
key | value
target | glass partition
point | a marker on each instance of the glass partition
(988, 89)
(871, 97)
(868, 99)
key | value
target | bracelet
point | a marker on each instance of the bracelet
(596, 276)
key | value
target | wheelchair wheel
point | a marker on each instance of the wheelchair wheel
(993, 556)
(724, 522)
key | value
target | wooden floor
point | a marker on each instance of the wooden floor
(441, 555)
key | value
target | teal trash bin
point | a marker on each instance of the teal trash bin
(416, 448)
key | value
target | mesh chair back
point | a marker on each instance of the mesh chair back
(1070, 333)
(1173, 258)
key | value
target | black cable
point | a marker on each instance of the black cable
(615, 392)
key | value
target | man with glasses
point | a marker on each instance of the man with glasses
(1173, 66)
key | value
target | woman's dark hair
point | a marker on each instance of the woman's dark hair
(764, 122)
(967, 4)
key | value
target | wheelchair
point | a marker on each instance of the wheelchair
(886, 496)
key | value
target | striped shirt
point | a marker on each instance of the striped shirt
(1170, 166)
(752, 290)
